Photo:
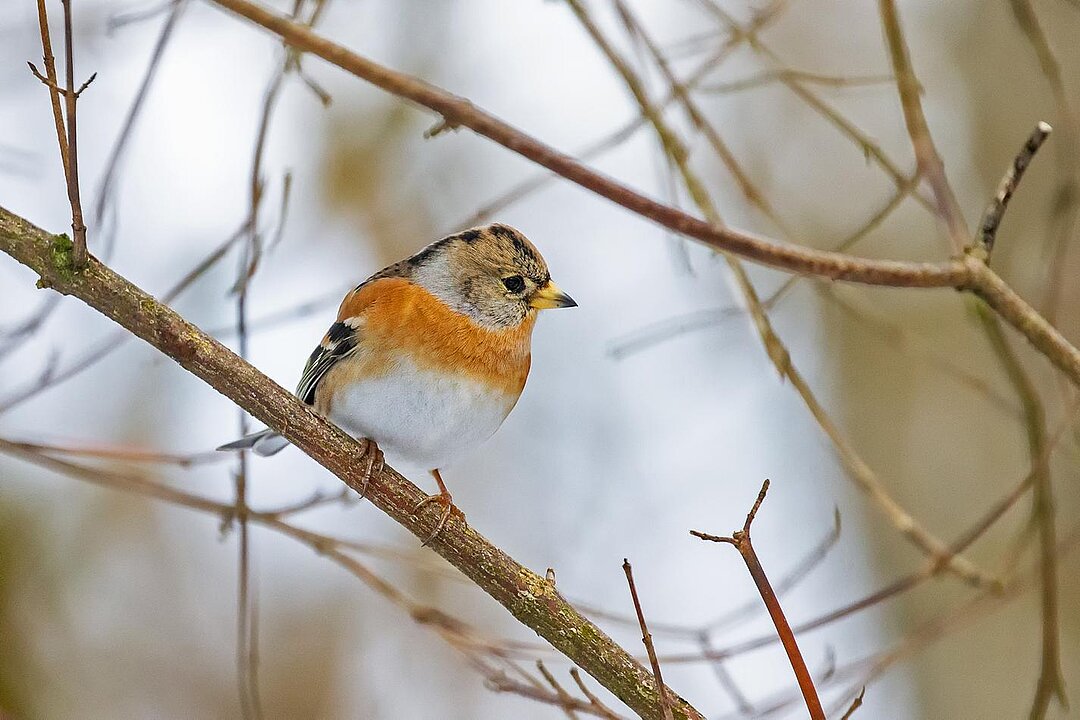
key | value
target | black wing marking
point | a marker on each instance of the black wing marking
(340, 342)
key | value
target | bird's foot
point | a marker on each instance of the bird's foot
(371, 462)
(446, 500)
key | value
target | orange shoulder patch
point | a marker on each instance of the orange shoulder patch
(398, 315)
(358, 300)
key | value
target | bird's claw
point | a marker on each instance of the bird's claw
(447, 501)
(372, 459)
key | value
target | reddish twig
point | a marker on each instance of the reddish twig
(646, 638)
(71, 97)
(50, 80)
(741, 540)
(855, 705)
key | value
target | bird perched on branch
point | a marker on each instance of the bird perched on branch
(428, 356)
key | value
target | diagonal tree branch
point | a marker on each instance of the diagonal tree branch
(530, 598)
(963, 274)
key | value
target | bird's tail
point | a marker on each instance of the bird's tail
(264, 443)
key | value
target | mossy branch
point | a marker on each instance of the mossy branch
(531, 599)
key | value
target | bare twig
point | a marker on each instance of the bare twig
(66, 130)
(782, 75)
(560, 691)
(1066, 192)
(601, 709)
(646, 638)
(646, 337)
(926, 154)
(741, 540)
(78, 227)
(500, 682)
(126, 454)
(1051, 682)
(991, 218)
(50, 80)
(855, 704)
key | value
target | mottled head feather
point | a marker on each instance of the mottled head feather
(475, 271)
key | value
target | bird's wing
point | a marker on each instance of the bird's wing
(338, 343)
(343, 338)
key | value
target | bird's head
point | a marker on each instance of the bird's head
(492, 273)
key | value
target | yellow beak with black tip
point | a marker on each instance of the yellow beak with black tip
(550, 296)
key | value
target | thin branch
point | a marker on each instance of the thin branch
(646, 638)
(855, 704)
(601, 709)
(991, 218)
(125, 454)
(78, 227)
(741, 540)
(772, 76)
(926, 154)
(560, 691)
(499, 682)
(50, 80)
(638, 340)
(1051, 682)
(529, 597)
(1066, 194)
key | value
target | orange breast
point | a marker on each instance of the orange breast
(398, 315)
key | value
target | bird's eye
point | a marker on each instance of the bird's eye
(514, 283)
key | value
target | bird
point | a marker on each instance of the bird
(428, 356)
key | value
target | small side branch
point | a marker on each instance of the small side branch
(646, 638)
(64, 119)
(991, 218)
(741, 540)
(71, 97)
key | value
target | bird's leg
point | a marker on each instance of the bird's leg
(371, 458)
(444, 498)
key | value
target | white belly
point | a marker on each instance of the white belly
(419, 417)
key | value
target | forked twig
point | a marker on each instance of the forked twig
(741, 540)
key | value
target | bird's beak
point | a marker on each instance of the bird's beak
(550, 296)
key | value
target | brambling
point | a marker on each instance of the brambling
(428, 356)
